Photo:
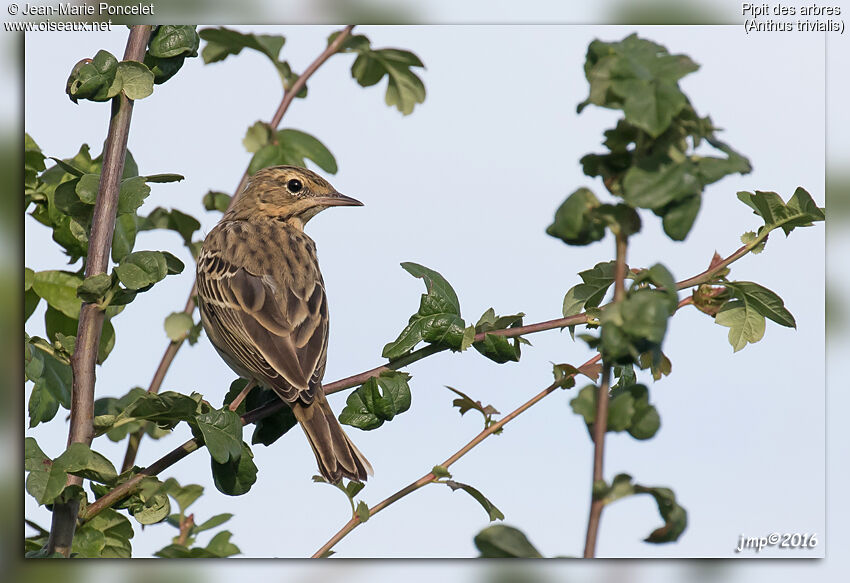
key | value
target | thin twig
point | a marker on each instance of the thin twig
(173, 347)
(600, 421)
(255, 415)
(600, 426)
(90, 323)
(430, 476)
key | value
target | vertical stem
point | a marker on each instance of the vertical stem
(600, 424)
(91, 317)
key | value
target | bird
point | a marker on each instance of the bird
(263, 304)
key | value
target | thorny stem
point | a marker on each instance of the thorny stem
(255, 415)
(431, 477)
(173, 347)
(90, 324)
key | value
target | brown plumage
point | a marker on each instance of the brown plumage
(263, 303)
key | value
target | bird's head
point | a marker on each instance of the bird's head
(291, 193)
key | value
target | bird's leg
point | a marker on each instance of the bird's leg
(241, 396)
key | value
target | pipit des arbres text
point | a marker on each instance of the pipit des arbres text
(263, 305)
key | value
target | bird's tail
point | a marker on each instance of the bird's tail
(336, 454)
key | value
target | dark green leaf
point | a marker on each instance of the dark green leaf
(801, 210)
(94, 79)
(269, 429)
(493, 512)
(124, 236)
(171, 40)
(94, 288)
(465, 403)
(132, 194)
(216, 520)
(293, 147)
(379, 399)
(116, 531)
(498, 348)
(222, 431)
(79, 459)
(764, 301)
(46, 480)
(635, 325)
(575, 223)
(502, 541)
(590, 293)
(235, 478)
(142, 269)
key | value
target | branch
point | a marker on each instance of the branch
(90, 323)
(255, 415)
(431, 477)
(600, 421)
(173, 347)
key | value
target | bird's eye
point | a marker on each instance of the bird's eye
(294, 185)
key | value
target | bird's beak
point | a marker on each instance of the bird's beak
(337, 199)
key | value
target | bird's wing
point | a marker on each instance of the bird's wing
(270, 329)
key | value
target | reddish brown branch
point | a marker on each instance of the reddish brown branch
(90, 323)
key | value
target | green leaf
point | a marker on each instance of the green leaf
(745, 323)
(59, 290)
(645, 421)
(675, 517)
(258, 135)
(800, 211)
(640, 77)
(220, 545)
(52, 378)
(80, 460)
(94, 79)
(595, 285)
(222, 42)
(166, 409)
(493, 512)
(575, 223)
(502, 541)
(293, 147)
(141, 269)
(679, 217)
(170, 40)
(178, 325)
(269, 429)
(657, 188)
(116, 531)
(86, 188)
(222, 431)
(764, 301)
(164, 178)
(216, 201)
(235, 478)
(213, 522)
(498, 348)
(136, 79)
(94, 288)
(46, 479)
(465, 403)
(404, 88)
(635, 325)
(124, 236)
(438, 320)
(132, 194)
(379, 399)
(621, 219)
(186, 495)
(362, 511)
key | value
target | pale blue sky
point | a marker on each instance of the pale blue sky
(466, 185)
